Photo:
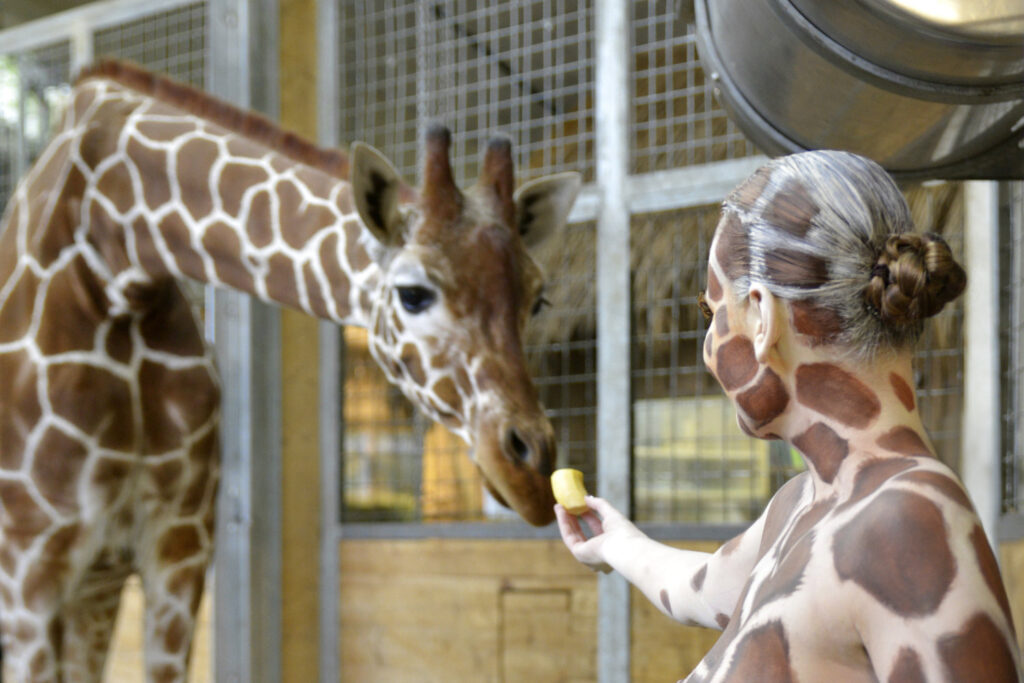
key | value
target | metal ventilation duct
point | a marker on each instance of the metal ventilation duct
(928, 88)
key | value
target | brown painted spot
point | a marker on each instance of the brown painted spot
(722, 321)
(907, 668)
(235, 180)
(735, 363)
(825, 450)
(896, 549)
(794, 268)
(806, 522)
(903, 391)
(781, 509)
(941, 482)
(179, 543)
(280, 280)
(697, 582)
(873, 474)
(788, 574)
(152, 168)
(762, 655)
(732, 544)
(750, 190)
(766, 400)
(732, 249)
(55, 468)
(990, 570)
(978, 652)
(903, 440)
(836, 393)
(195, 166)
(665, 602)
(708, 345)
(722, 620)
(791, 209)
(819, 324)
(714, 286)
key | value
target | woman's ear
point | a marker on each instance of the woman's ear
(764, 319)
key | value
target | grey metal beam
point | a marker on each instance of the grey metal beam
(613, 298)
(247, 564)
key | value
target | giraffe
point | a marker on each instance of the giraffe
(872, 564)
(108, 392)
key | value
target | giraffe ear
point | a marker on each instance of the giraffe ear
(377, 189)
(543, 205)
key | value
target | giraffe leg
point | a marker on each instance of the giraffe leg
(89, 623)
(172, 601)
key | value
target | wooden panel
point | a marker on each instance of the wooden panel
(504, 611)
(1011, 557)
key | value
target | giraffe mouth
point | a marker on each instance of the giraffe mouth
(515, 468)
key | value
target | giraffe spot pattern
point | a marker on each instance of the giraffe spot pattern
(751, 189)
(14, 324)
(766, 400)
(903, 440)
(150, 164)
(903, 391)
(714, 286)
(940, 482)
(990, 569)
(665, 602)
(978, 652)
(836, 393)
(896, 550)
(280, 278)
(732, 250)
(907, 668)
(735, 363)
(825, 450)
(195, 161)
(722, 321)
(697, 582)
(819, 324)
(179, 543)
(788, 575)
(780, 509)
(55, 469)
(235, 180)
(872, 474)
(762, 655)
(223, 244)
(791, 209)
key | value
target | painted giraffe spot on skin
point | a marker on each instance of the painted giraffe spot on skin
(795, 268)
(903, 440)
(792, 209)
(780, 510)
(788, 575)
(722, 620)
(824, 449)
(940, 482)
(806, 522)
(873, 474)
(735, 363)
(697, 582)
(708, 345)
(722, 321)
(896, 550)
(750, 190)
(762, 655)
(990, 569)
(766, 400)
(903, 390)
(978, 652)
(732, 250)
(836, 393)
(714, 286)
(819, 324)
(907, 668)
(665, 602)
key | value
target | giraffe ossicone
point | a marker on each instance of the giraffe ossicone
(109, 398)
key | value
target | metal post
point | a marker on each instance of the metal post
(613, 327)
(330, 378)
(247, 563)
(981, 457)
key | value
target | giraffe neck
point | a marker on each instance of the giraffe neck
(169, 193)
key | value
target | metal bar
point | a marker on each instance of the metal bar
(247, 604)
(982, 416)
(94, 15)
(662, 531)
(613, 297)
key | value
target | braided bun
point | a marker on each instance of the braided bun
(914, 278)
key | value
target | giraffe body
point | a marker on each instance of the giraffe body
(108, 392)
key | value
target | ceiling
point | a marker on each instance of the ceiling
(14, 12)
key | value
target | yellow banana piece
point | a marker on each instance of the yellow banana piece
(567, 485)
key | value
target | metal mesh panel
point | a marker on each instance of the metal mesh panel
(33, 90)
(172, 42)
(523, 69)
(676, 120)
(1013, 380)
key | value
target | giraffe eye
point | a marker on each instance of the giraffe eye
(416, 299)
(539, 305)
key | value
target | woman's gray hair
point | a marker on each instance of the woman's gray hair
(830, 232)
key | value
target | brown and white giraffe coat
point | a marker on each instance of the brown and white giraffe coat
(870, 566)
(108, 394)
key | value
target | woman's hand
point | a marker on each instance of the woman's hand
(607, 526)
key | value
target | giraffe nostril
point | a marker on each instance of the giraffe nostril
(517, 446)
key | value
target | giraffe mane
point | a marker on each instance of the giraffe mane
(251, 125)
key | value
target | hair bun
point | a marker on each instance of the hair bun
(914, 278)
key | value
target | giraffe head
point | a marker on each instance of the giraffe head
(456, 288)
